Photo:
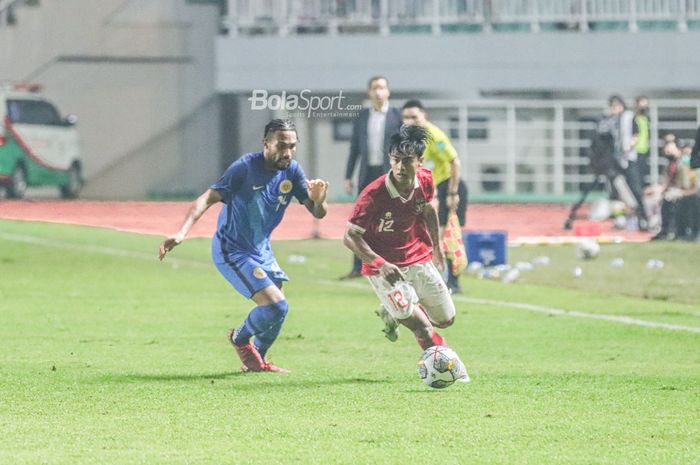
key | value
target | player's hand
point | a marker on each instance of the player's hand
(317, 189)
(452, 202)
(439, 259)
(391, 273)
(168, 245)
(349, 188)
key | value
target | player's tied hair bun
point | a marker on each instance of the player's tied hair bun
(410, 140)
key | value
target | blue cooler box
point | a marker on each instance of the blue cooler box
(487, 247)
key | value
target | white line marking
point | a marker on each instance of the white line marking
(176, 262)
(548, 310)
(578, 314)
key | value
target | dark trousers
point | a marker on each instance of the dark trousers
(686, 216)
(373, 172)
(644, 168)
(668, 217)
(461, 207)
(634, 181)
(442, 194)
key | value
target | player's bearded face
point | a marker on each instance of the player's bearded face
(280, 149)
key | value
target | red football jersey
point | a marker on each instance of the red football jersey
(393, 226)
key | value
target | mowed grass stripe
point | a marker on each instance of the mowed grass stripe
(121, 360)
(176, 262)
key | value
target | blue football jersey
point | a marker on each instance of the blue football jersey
(255, 200)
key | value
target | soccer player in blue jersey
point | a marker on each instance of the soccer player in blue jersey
(256, 190)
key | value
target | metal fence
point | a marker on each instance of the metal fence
(441, 16)
(540, 147)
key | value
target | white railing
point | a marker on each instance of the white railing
(383, 16)
(539, 147)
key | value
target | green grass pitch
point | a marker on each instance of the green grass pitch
(109, 356)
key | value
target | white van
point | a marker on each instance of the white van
(38, 147)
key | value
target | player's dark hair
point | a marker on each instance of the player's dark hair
(616, 98)
(410, 140)
(413, 103)
(637, 100)
(376, 78)
(278, 125)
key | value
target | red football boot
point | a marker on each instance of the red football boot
(273, 368)
(248, 354)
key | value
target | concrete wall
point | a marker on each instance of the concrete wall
(464, 65)
(472, 66)
(139, 74)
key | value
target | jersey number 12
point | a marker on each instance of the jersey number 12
(386, 225)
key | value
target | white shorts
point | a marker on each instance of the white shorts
(423, 285)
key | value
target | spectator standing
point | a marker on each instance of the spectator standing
(625, 138)
(641, 121)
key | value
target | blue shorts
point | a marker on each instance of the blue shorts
(245, 273)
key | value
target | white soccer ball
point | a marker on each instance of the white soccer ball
(439, 367)
(587, 249)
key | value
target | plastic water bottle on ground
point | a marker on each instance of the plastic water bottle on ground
(655, 264)
(489, 273)
(474, 267)
(524, 266)
(511, 275)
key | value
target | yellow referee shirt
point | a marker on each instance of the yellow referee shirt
(438, 154)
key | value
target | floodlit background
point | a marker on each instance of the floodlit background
(161, 87)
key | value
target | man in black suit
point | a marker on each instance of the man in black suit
(370, 143)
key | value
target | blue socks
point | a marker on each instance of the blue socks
(263, 322)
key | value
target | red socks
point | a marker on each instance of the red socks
(435, 340)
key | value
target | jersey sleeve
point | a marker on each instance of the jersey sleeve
(299, 184)
(446, 149)
(427, 184)
(232, 179)
(362, 214)
(443, 148)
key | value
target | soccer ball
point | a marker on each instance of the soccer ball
(587, 249)
(439, 367)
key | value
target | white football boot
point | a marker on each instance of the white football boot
(391, 325)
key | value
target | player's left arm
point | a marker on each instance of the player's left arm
(317, 190)
(431, 220)
(453, 185)
(453, 181)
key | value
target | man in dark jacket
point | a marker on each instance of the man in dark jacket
(370, 142)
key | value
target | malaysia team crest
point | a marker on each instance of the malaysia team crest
(286, 186)
(259, 273)
(420, 205)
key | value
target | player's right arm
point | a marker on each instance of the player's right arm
(197, 209)
(364, 217)
(354, 241)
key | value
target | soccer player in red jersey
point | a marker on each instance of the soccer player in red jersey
(392, 229)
